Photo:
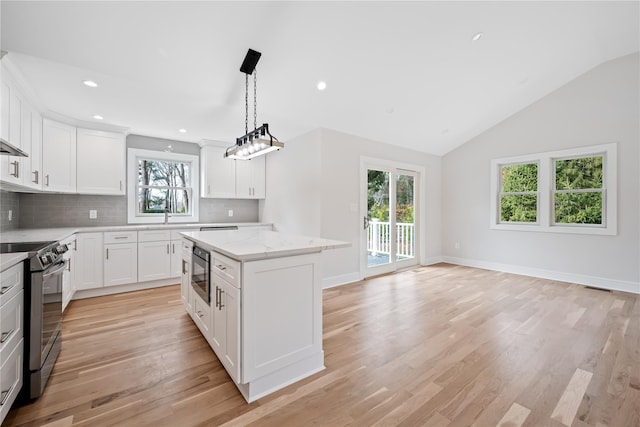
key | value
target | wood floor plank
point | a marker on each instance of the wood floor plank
(440, 345)
(568, 404)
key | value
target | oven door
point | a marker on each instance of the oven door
(200, 273)
(46, 312)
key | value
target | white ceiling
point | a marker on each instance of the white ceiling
(404, 73)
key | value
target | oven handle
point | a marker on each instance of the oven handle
(62, 267)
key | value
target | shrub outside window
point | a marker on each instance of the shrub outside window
(579, 192)
(519, 193)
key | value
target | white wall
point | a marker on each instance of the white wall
(329, 205)
(598, 107)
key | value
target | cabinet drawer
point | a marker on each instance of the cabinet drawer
(187, 245)
(11, 280)
(154, 235)
(226, 268)
(11, 379)
(11, 315)
(202, 316)
(120, 237)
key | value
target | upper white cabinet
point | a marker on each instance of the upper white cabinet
(250, 175)
(224, 178)
(32, 142)
(218, 173)
(100, 162)
(16, 128)
(58, 157)
(4, 109)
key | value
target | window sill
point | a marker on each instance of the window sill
(563, 229)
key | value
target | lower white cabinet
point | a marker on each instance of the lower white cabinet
(176, 258)
(69, 275)
(120, 263)
(202, 316)
(185, 280)
(88, 261)
(154, 260)
(11, 341)
(225, 338)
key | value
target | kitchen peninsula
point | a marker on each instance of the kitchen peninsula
(258, 304)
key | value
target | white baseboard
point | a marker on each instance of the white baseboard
(343, 279)
(432, 260)
(581, 279)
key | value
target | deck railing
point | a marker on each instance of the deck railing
(379, 238)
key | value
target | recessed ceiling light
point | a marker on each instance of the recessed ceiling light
(477, 37)
(90, 83)
(322, 85)
(182, 130)
(98, 117)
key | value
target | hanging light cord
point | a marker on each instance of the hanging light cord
(255, 97)
(246, 103)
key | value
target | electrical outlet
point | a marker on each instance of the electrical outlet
(93, 214)
(230, 212)
(457, 245)
(10, 215)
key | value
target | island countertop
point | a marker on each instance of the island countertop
(250, 245)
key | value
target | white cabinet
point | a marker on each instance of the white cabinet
(218, 174)
(11, 342)
(88, 261)
(120, 258)
(250, 178)
(58, 157)
(225, 338)
(32, 142)
(185, 280)
(100, 162)
(176, 258)
(154, 260)
(69, 275)
(5, 90)
(12, 169)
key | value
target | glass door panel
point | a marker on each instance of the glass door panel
(379, 231)
(405, 224)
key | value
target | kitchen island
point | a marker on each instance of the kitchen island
(262, 308)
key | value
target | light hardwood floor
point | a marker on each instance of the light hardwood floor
(432, 346)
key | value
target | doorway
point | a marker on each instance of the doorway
(389, 228)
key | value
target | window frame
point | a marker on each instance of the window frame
(133, 156)
(546, 189)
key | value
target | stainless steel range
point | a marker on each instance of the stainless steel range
(43, 311)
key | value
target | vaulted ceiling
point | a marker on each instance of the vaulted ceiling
(404, 73)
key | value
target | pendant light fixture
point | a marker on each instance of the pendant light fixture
(259, 141)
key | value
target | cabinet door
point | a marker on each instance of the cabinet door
(176, 258)
(219, 327)
(230, 300)
(185, 283)
(15, 117)
(250, 175)
(154, 260)
(58, 157)
(88, 261)
(120, 264)
(217, 173)
(4, 109)
(101, 162)
(32, 177)
(13, 168)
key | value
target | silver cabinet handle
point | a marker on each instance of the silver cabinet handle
(221, 306)
(15, 169)
(120, 185)
(5, 395)
(46, 180)
(120, 237)
(184, 267)
(107, 253)
(6, 335)
(199, 314)
(36, 177)
(167, 248)
(173, 248)
(221, 267)
(6, 289)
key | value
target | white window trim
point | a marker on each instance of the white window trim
(133, 154)
(546, 185)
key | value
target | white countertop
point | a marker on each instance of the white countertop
(248, 245)
(57, 234)
(9, 260)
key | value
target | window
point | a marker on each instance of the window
(519, 193)
(160, 182)
(569, 191)
(578, 196)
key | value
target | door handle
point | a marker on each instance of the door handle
(37, 177)
(221, 306)
(6, 335)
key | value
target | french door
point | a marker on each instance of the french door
(389, 223)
